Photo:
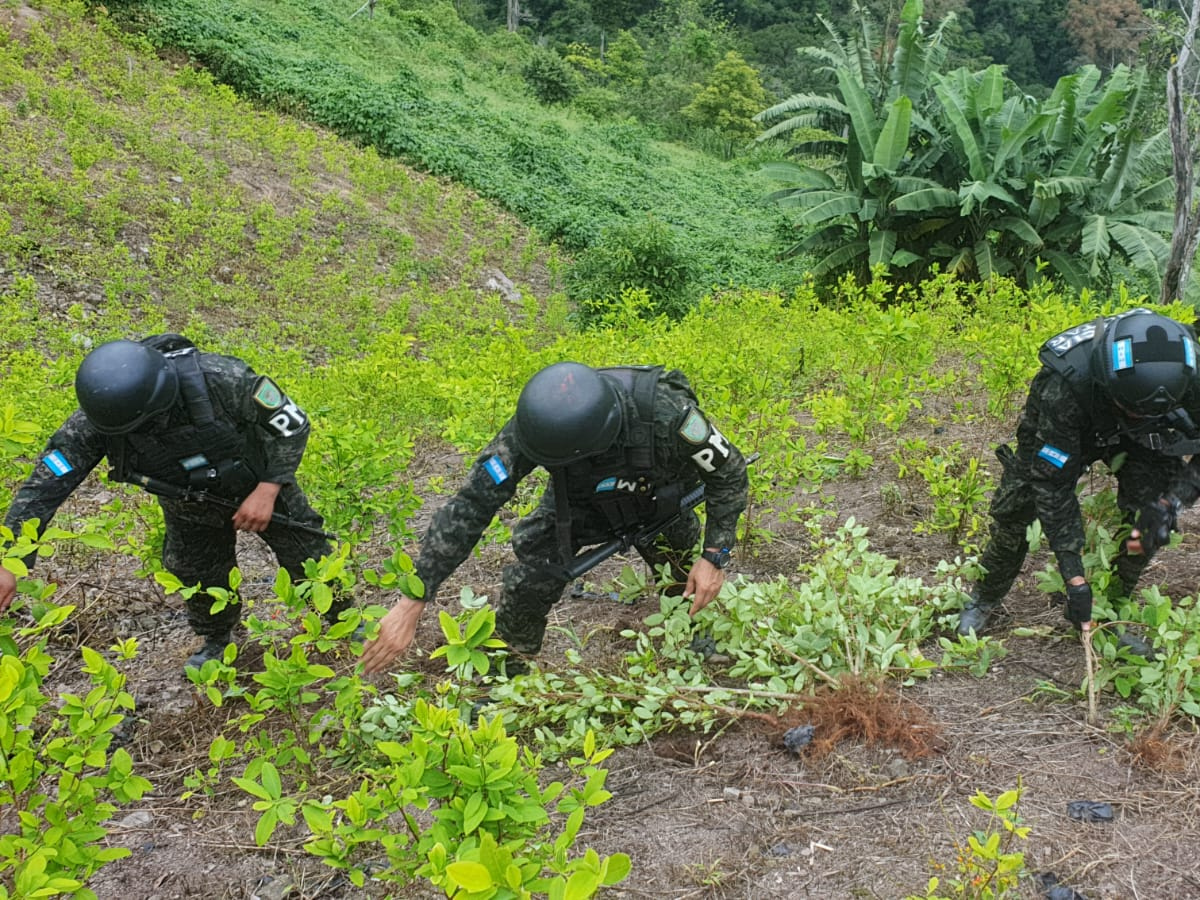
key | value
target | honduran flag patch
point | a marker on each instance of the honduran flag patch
(496, 468)
(57, 463)
(1054, 456)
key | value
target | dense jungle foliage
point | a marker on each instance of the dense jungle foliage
(649, 149)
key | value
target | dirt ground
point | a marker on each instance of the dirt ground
(728, 815)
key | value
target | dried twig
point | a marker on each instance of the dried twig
(1089, 656)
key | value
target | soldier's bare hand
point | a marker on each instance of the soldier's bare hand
(396, 631)
(703, 584)
(255, 512)
(8, 588)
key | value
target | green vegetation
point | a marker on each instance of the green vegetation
(140, 195)
(962, 172)
(416, 83)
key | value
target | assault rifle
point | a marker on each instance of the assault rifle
(174, 492)
(585, 562)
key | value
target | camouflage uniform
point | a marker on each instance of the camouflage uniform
(687, 450)
(1057, 439)
(199, 547)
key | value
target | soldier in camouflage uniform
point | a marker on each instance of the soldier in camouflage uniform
(622, 446)
(161, 411)
(1123, 390)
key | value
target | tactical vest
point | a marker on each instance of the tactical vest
(1070, 355)
(205, 452)
(620, 483)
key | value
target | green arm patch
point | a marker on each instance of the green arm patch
(267, 394)
(695, 428)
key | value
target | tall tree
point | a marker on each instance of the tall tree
(728, 102)
(1107, 32)
(1183, 95)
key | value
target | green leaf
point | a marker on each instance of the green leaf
(825, 205)
(449, 628)
(863, 124)
(953, 107)
(926, 199)
(1145, 249)
(266, 826)
(1020, 228)
(271, 780)
(474, 812)
(1094, 242)
(892, 143)
(883, 244)
(616, 869)
(470, 876)
(251, 786)
(840, 256)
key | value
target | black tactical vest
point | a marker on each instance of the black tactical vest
(621, 482)
(199, 449)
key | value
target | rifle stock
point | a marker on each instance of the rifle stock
(174, 492)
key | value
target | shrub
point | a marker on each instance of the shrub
(550, 78)
(640, 256)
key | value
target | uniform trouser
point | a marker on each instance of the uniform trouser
(535, 582)
(1142, 477)
(200, 548)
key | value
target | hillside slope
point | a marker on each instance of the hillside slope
(135, 190)
(417, 83)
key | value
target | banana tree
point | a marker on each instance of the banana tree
(868, 136)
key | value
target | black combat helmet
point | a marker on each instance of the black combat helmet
(122, 384)
(1145, 362)
(566, 412)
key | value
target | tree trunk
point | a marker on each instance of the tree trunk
(1186, 232)
(514, 14)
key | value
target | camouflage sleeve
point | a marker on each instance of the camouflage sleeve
(276, 426)
(696, 448)
(457, 526)
(72, 452)
(1060, 426)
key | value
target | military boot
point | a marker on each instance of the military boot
(976, 614)
(214, 648)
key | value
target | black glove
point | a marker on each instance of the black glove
(1079, 604)
(1156, 523)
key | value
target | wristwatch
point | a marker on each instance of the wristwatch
(719, 558)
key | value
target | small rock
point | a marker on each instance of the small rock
(500, 283)
(273, 888)
(139, 819)
(898, 768)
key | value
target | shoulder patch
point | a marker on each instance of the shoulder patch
(695, 428)
(496, 469)
(1054, 456)
(57, 463)
(267, 394)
